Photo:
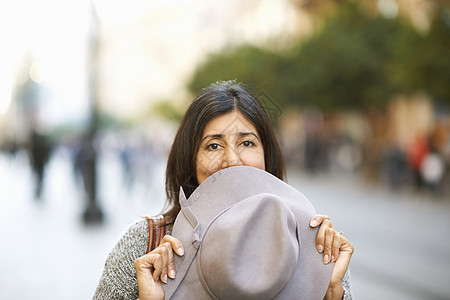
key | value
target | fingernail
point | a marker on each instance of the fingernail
(180, 251)
(320, 248)
(165, 278)
(326, 259)
(313, 223)
(332, 257)
(172, 273)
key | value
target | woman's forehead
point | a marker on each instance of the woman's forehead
(230, 123)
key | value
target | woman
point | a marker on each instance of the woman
(224, 126)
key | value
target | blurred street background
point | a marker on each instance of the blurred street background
(91, 94)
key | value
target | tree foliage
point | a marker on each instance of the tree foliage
(347, 63)
(255, 67)
(355, 60)
(423, 62)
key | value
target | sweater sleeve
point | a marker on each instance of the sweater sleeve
(348, 295)
(118, 280)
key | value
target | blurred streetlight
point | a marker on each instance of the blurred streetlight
(93, 212)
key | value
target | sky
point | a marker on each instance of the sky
(48, 36)
(148, 49)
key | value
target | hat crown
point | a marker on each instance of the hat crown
(255, 236)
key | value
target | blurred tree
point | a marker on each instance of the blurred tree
(423, 62)
(167, 110)
(257, 68)
(358, 59)
(346, 63)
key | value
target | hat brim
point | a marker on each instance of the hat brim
(221, 190)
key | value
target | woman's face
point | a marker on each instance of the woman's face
(228, 140)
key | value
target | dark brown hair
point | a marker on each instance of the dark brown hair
(218, 99)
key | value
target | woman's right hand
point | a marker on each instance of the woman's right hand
(155, 267)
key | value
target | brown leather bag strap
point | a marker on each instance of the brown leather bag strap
(156, 231)
(151, 233)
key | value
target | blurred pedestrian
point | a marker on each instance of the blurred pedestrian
(416, 154)
(224, 126)
(315, 152)
(85, 162)
(39, 152)
(432, 170)
(397, 166)
(433, 165)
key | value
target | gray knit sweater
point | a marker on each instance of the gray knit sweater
(119, 281)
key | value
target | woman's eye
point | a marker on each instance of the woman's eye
(248, 144)
(213, 146)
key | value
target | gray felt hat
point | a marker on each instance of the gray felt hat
(246, 235)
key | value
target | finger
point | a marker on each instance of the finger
(157, 255)
(342, 263)
(317, 220)
(146, 262)
(167, 252)
(177, 246)
(149, 264)
(329, 236)
(163, 251)
(146, 284)
(337, 241)
(157, 272)
(320, 239)
(170, 263)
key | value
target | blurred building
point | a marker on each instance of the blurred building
(148, 53)
(149, 49)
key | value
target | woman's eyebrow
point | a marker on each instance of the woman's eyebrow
(220, 135)
(215, 136)
(248, 133)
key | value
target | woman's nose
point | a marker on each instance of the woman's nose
(231, 158)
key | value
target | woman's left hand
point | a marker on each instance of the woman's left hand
(335, 248)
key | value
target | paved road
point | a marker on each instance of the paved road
(401, 240)
(46, 251)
